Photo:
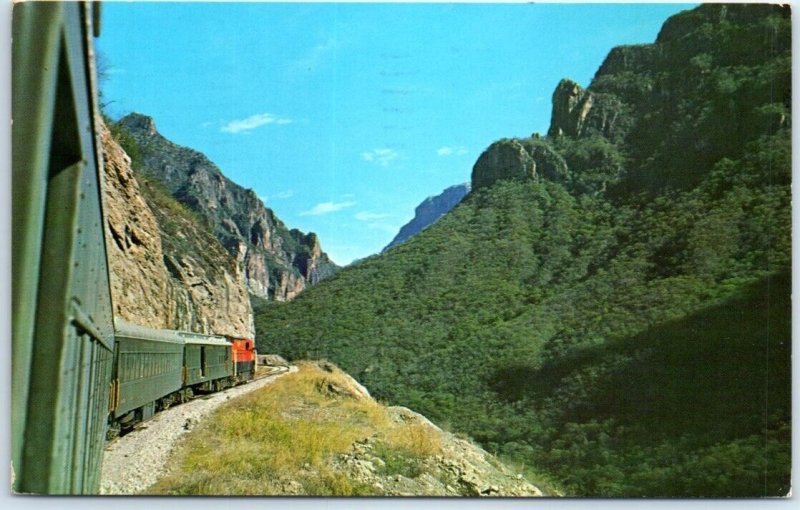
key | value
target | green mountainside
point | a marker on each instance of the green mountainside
(610, 305)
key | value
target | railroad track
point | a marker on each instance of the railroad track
(269, 371)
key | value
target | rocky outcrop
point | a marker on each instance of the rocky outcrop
(429, 211)
(646, 98)
(515, 159)
(165, 271)
(461, 468)
(578, 112)
(277, 263)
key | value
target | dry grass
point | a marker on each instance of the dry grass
(290, 431)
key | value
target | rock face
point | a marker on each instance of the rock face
(277, 263)
(515, 159)
(165, 271)
(578, 113)
(429, 211)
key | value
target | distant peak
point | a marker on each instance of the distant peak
(139, 122)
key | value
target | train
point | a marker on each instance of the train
(155, 369)
(78, 374)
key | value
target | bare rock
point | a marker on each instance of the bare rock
(276, 263)
(166, 271)
(578, 112)
(513, 159)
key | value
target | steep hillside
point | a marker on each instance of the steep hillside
(429, 211)
(166, 270)
(611, 302)
(278, 263)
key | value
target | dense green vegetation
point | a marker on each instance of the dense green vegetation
(625, 330)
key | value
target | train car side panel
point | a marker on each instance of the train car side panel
(209, 364)
(147, 370)
(61, 303)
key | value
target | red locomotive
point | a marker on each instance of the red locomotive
(244, 358)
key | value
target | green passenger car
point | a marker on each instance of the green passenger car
(209, 366)
(148, 367)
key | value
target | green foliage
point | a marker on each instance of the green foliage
(597, 162)
(518, 315)
(735, 88)
(624, 330)
(398, 462)
(126, 140)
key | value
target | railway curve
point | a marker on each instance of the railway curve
(135, 461)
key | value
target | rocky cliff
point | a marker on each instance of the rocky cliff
(716, 79)
(578, 113)
(165, 271)
(530, 158)
(429, 211)
(277, 263)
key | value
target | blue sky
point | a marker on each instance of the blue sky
(343, 117)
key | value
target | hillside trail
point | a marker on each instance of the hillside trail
(135, 461)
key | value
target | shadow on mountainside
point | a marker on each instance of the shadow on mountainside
(724, 371)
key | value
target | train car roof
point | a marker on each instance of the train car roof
(194, 338)
(126, 329)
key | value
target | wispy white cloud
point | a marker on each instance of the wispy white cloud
(252, 122)
(382, 157)
(283, 195)
(375, 221)
(316, 55)
(445, 151)
(370, 216)
(327, 208)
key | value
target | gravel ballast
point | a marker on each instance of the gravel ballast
(134, 462)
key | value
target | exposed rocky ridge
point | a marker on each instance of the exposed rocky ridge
(277, 263)
(725, 95)
(165, 272)
(429, 211)
(518, 159)
(578, 113)
(462, 468)
(646, 98)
